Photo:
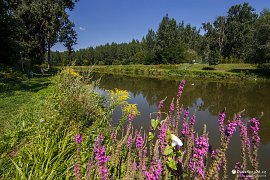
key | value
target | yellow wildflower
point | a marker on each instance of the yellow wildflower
(131, 108)
(118, 96)
(71, 72)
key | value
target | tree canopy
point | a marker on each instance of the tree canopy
(30, 28)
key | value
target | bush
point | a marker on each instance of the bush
(265, 67)
(208, 68)
(76, 99)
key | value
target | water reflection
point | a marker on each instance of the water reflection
(207, 98)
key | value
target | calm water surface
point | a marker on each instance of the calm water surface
(207, 99)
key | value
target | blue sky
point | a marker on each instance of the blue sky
(101, 21)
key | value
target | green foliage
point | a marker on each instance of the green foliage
(168, 150)
(154, 123)
(30, 28)
(208, 68)
(172, 164)
(10, 30)
(262, 36)
(75, 98)
(265, 68)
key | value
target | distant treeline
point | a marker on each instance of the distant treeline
(242, 36)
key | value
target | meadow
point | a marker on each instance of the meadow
(62, 129)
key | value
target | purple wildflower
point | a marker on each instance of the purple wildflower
(78, 138)
(131, 117)
(88, 169)
(139, 141)
(196, 164)
(192, 120)
(221, 118)
(172, 107)
(158, 169)
(230, 129)
(154, 171)
(101, 157)
(214, 154)
(77, 171)
(185, 129)
(77, 167)
(162, 135)
(243, 133)
(239, 166)
(186, 113)
(160, 105)
(129, 140)
(254, 129)
(180, 89)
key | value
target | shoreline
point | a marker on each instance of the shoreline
(174, 72)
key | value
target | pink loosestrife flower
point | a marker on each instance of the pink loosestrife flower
(78, 138)
(180, 89)
(77, 171)
(162, 136)
(101, 157)
(185, 129)
(243, 133)
(240, 167)
(196, 164)
(129, 140)
(131, 117)
(221, 118)
(186, 113)
(254, 129)
(230, 129)
(154, 171)
(160, 105)
(172, 107)
(139, 141)
(192, 120)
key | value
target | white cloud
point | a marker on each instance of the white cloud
(82, 29)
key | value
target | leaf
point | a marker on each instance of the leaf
(150, 136)
(168, 150)
(154, 123)
(172, 164)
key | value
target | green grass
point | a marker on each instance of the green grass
(220, 72)
(19, 95)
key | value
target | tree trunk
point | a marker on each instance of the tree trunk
(49, 57)
(22, 61)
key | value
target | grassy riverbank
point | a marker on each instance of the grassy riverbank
(221, 71)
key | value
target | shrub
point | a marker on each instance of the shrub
(75, 98)
(265, 67)
(208, 68)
